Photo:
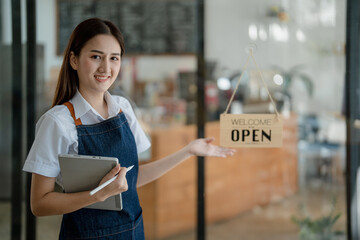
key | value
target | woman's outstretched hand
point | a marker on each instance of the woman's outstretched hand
(203, 147)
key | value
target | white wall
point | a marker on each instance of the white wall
(6, 21)
(46, 33)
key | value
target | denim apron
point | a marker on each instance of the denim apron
(110, 138)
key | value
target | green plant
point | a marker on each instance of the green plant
(293, 73)
(318, 228)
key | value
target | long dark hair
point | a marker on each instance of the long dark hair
(68, 80)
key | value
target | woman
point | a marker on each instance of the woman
(85, 119)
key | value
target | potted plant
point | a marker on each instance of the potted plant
(295, 73)
(283, 97)
(318, 228)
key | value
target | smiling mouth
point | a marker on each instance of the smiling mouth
(102, 78)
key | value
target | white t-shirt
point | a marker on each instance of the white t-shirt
(56, 133)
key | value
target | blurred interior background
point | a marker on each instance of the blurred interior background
(257, 194)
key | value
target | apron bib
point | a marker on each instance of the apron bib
(110, 138)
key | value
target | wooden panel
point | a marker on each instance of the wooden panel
(148, 197)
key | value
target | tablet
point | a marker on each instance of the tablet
(84, 173)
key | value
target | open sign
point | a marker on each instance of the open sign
(250, 130)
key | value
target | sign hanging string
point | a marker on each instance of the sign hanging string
(251, 56)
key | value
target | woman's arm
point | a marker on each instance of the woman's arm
(199, 147)
(45, 201)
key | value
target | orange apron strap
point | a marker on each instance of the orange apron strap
(72, 111)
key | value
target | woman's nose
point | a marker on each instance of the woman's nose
(104, 67)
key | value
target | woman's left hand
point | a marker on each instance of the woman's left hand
(202, 147)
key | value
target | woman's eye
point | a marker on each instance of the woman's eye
(114, 58)
(95, 57)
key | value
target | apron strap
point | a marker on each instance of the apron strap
(72, 111)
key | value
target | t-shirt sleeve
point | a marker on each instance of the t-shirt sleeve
(50, 140)
(142, 141)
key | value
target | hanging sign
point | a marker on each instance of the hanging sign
(251, 130)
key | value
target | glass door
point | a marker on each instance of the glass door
(297, 191)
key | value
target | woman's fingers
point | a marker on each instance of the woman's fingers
(209, 140)
(119, 185)
(120, 181)
(223, 152)
(203, 147)
(111, 174)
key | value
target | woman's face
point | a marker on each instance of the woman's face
(98, 64)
